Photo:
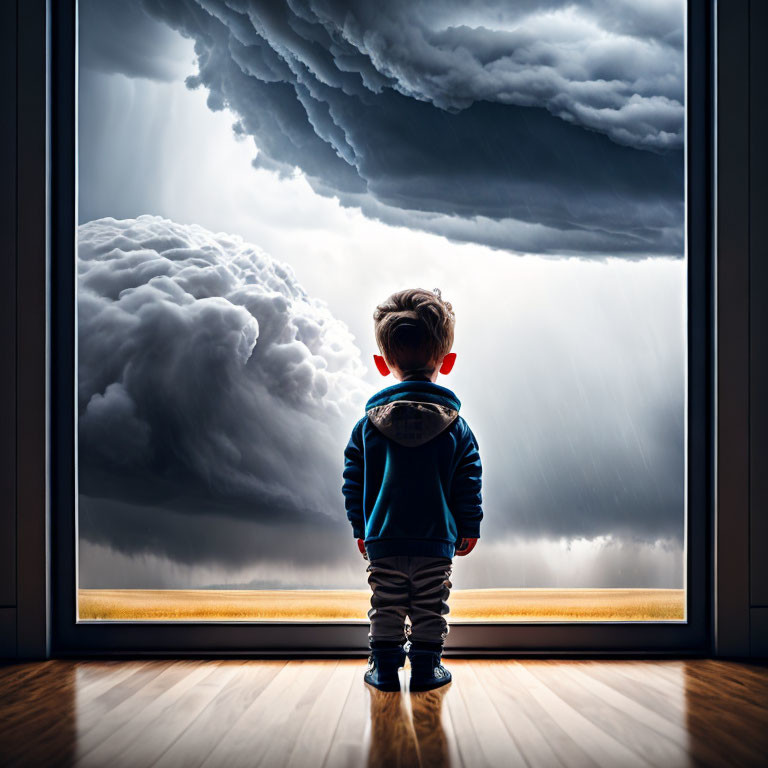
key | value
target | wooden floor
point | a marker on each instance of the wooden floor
(321, 713)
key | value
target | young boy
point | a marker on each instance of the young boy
(412, 480)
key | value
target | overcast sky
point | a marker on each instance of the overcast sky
(527, 162)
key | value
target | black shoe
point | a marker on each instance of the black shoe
(383, 664)
(426, 670)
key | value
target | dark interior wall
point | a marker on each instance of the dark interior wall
(32, 249)
(741, 530)
(8, 336)
(758, 319)
(23, 343)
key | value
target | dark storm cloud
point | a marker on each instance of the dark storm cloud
(210, 538)
(611, 66)
(215, 401)
(133, 547)
(553, 128)
(208, 379)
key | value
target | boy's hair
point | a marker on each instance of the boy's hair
(414, 329)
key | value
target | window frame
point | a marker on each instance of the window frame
(73, 637)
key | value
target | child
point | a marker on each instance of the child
(412, 480)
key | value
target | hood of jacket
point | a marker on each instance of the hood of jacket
(412, 413)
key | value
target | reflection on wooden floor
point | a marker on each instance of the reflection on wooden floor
(320, 713)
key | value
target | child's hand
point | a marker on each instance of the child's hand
(361, 547)
(465, 546)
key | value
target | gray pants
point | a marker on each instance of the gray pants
(413, 586)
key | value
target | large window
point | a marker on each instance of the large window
(253, 178)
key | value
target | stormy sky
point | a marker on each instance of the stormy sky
(526, 158)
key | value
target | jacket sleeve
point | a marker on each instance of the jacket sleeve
(466, 497)
(353, 482)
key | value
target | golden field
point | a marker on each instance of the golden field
(467, 605)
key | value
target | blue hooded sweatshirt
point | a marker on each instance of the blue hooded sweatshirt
(412, 473)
